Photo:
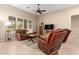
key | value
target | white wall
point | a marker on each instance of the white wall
(60, 19)
(7, 10)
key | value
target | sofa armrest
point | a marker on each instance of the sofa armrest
(18, 36)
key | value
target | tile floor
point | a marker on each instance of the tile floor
(71, 47)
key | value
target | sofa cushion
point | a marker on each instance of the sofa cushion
(21, 31)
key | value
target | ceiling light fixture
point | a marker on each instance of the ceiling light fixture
(39, 10)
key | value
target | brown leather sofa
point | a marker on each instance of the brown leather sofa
(21, 35)
(52, 44)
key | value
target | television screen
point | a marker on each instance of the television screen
(46, 26)
(49, 26)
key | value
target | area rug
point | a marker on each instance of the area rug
(30, 43)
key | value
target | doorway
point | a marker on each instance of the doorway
(75, 33)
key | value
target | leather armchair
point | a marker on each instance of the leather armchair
(67, 34)
(52, 44)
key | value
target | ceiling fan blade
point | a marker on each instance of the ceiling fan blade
(42, 10)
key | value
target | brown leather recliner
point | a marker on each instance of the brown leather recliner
(67, 34)
(21, 35)
(52, 44)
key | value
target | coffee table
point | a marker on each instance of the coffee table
(32, 36)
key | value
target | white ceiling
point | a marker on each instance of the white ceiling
(48, 7)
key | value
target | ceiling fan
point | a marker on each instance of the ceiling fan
(39, 10)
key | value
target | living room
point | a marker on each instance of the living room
(27, 18)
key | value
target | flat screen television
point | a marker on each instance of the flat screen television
(49, 26)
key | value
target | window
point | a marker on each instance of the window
(12, 20)
(25, 24)
(30, 24)
(20, 23)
